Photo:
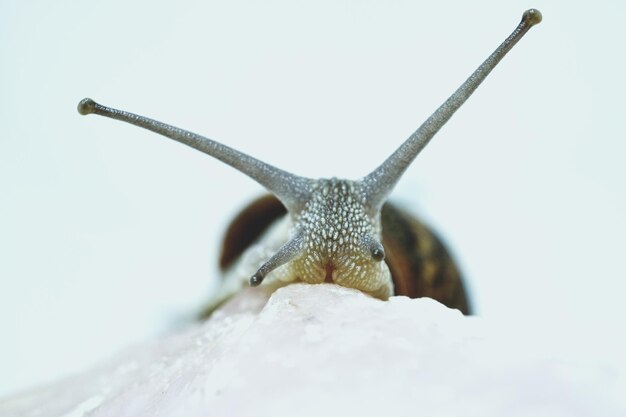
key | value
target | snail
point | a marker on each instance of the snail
(336, 230)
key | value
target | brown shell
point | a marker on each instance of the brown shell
(419, 262)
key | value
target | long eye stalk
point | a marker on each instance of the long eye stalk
(290, 189)
(379, 184)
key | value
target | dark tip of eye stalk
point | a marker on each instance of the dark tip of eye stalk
(256, 280)
(532, 17)
(378, 254)
(86, 106)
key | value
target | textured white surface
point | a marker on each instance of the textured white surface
(327, 350)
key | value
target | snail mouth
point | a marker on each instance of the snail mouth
(329, 273)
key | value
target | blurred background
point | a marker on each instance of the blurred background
(109, 234)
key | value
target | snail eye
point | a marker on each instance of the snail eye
(378, 254)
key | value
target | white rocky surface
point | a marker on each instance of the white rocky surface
(327, 350)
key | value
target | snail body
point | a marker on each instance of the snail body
(336, 230)
(419, 263)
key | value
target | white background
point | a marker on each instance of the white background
(109, 234)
